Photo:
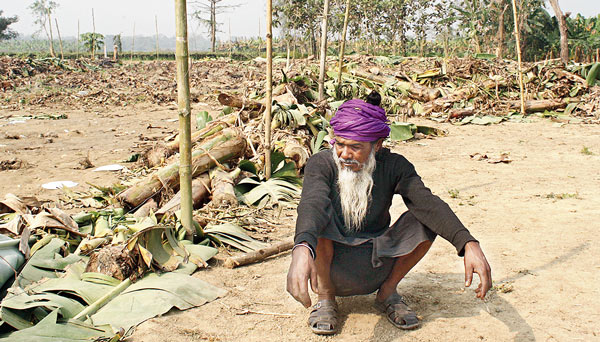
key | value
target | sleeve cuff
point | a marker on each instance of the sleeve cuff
(461, 239)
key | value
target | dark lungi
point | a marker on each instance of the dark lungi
(361, 269)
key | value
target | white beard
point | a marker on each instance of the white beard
(355, 190)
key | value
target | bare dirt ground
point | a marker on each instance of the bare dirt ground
(536, 217)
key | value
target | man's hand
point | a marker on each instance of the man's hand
(475, 262)
(301, 270)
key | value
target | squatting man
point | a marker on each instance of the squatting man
(344, 244)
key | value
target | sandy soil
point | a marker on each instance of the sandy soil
(535, 217)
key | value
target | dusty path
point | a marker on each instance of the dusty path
(536, 218)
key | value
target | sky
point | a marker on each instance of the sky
(119, 16)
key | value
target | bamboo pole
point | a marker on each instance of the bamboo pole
(62, 56)
(269, 97)
(156, 25)
(518, 44)
(93, 35)
(78, 42)
(185, 123)
(323, 51)
(343, 48)
(51, 38)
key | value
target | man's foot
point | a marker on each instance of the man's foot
(323, 318)
(398, 312)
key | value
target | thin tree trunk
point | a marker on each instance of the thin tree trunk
(230, 41)
(51, 38)
(213, 25)
(78, 42)
(59, 39)
(93, 35)
(269, 89)
(185, 125)
(323, 51)
(343, 47)
(501, 33)
(156, 25)
(132, 42)
(518, 45)
(258, 255)
(562, 26)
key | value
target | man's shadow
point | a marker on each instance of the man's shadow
(438, 296)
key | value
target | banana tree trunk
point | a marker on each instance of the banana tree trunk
(223, 193)
(200, 193)
(228, 145)
(415, 90)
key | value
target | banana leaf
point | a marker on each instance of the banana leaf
(49, 330)
(402, 131)
(269, 192)
(233, 235)
(155, 295)
(45, 263)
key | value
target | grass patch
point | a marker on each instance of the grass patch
(586, 151)
(454, 193)
(563, 196)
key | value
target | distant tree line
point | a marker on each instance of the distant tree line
(436, 27)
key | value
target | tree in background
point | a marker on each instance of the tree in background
(42, 10)
(5, 22)
(92, 40)
(301, 16)
(213, 8)
(562, 24)
(117, 42)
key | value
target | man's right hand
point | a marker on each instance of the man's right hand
(302, 269)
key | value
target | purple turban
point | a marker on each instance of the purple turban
(360, 121)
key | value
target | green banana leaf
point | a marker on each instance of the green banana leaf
(49, 330)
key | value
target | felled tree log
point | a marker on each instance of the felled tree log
(158, 154)
(115, 261)
(461, 113)
(228, 144)
(238, 102)
(145, 209)
(570, 76)
(200, 192)
(222, 188)
(258, 255)
(415, 90)
(540, 105)
(464, 93)
(296, 152)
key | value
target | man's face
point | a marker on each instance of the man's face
(353, 154)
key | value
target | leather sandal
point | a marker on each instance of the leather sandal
(323, 318)
(398, 312)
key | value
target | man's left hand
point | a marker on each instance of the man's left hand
(475, 262)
